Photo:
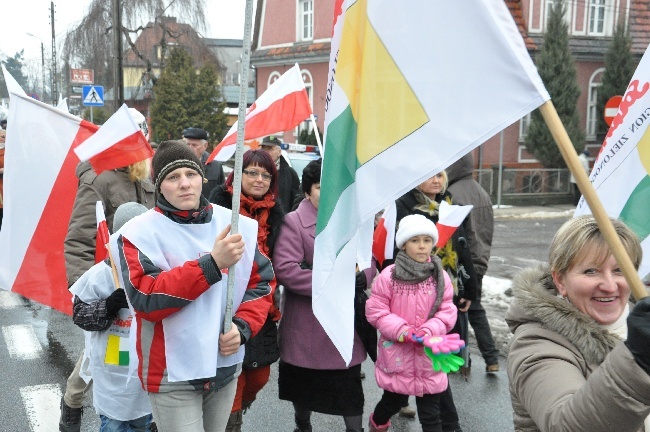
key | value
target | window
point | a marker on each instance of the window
(592, 102)
(597, 16)
(306, 24)
(524, 123)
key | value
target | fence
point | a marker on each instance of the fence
(522, 184)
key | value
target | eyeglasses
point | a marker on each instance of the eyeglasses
(254, 174)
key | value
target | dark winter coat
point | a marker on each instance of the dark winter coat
(566, 371)
(288, 186)
(480, 223)
(261, 350)
(213, 174)
(406, 205)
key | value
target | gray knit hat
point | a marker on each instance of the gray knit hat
(125, 213)
(172, 155)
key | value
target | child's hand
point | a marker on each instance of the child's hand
(407, 336)
(421, 335)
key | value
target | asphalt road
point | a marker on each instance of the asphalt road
(33, 379)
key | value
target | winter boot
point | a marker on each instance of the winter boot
(235, 421)
(297, 429)
(70, 420)
(407, 412)
(372, 427)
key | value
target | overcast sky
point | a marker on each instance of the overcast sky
(19, 17)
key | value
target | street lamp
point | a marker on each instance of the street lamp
(42, 66)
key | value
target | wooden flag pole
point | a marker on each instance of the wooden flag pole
(568, 152)
(239, 154)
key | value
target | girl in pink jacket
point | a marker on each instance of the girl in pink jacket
(412, 298)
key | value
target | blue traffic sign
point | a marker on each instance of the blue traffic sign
(92, 95)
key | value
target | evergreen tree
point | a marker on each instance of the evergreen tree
(557, 70)
(184, 97)
(14, 66)
(619, 68)
(309, 138)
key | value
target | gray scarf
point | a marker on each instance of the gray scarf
(409, 271)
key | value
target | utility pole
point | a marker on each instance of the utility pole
(118, 92)
(42, 66)
(55, 95)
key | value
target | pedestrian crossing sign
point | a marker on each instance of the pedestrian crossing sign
(92, 95)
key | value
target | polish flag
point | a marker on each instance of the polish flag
(383, 240)
(449, 219)
(39, 191)
(283, 106)
(118, 143)
(101, 248)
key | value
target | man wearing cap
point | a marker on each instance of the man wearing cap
(197, 139)
(288, 182)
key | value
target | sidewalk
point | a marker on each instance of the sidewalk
(534, 212)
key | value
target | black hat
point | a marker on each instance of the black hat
(271, 140)
(195, 133)
(172, 155)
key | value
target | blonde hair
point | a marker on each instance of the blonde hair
(139, 171)
(445, 180)
(582, 233)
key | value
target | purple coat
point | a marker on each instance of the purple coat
(303, 341)
(392, 307)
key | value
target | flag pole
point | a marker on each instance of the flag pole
(568, 152)
(315, 126)
(239, 154)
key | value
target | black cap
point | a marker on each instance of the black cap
(196, 133)
(172, 155)
(271, 140)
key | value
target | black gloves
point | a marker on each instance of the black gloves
(115, 302)
(638, 333)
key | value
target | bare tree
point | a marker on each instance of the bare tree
(90, 44)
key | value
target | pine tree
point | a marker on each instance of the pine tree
(184, 98)
(14, 66)
(558, 72)
(619, 68)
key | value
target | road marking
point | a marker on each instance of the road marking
(42, 405)
(22, 342)
(9, 300)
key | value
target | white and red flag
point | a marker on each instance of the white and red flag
(118, 143)
(283, 106)
(383, 239)
(450, 217)
(103, 235)
(39, 191)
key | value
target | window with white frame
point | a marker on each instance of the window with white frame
(524, 123)
(597, 9)
(592, 103)
(306, 16)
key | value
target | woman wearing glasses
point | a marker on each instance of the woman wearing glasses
(259, 200)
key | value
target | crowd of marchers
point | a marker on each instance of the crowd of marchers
(579, 360)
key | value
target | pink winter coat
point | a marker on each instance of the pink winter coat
(392, 307)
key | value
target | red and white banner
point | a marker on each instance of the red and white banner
(283, 106)
(39, 191)
(118, 143)
(383, 240)
(449, 219)
(103, 235)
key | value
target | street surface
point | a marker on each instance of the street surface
(39, 346)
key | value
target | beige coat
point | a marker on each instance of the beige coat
(567, 373)
(113, 188)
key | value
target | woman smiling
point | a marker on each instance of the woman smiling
(568, 366)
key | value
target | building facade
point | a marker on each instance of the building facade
(290, 31)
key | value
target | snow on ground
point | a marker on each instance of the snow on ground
(496, 299)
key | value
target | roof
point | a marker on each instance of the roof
(303, 51)
(514, 6)
(639, 25)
